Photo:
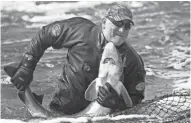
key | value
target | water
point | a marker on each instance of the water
(161, 36)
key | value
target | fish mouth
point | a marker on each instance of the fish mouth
(109, 60)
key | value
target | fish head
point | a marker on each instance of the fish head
(111, 63)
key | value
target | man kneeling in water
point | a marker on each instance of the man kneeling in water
(85, 42)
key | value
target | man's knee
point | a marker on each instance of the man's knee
(66, 100)
(66, 105)
(61, 96)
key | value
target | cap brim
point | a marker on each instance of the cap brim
(119, 18)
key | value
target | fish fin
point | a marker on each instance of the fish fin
(122, 91)
(21, 95)
(91, 92)
(38, 98)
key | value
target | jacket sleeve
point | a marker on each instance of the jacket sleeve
(52, 35)
(134, 80)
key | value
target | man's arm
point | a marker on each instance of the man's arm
(134, 81)
(50, 35)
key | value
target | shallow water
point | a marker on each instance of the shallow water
(161, 35)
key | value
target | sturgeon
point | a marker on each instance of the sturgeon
(110, 71)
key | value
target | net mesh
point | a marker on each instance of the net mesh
(170, 108)
(173, 107)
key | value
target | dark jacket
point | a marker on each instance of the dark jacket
(85, 45)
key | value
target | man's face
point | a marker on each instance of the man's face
(116, 31)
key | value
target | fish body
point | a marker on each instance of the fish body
(110, 71)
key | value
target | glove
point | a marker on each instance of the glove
(24, 73)
(109, 98)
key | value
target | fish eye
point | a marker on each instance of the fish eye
(106, 60)
(109, 60)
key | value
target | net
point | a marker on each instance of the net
(170, 108)
(173, 107)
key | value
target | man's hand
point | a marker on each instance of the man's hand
(108, 97)
(24, 74)
(22, 78)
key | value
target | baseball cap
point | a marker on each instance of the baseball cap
(120, 12)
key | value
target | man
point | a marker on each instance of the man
(85, 42)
